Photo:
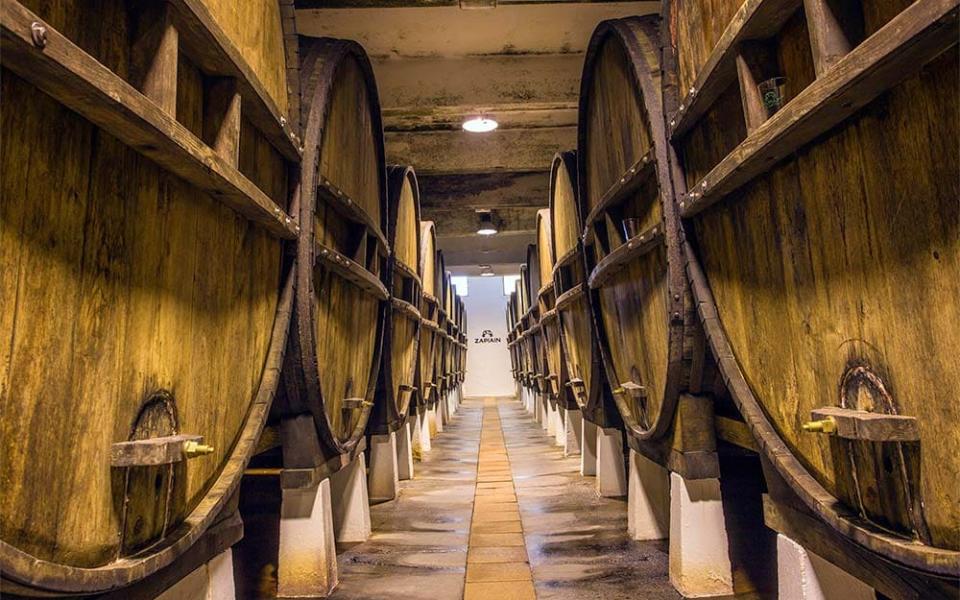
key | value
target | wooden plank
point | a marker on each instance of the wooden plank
(151, 451)
(337, 199)
(569, 296)
(634, 248)
(828, 41)
(756, 62)
(755, 20)
(566, 259)
(735, 432)
(406, 271)
(638, 173)
(221, 119)
(351, 271)
(404, 308)
(78, 81)
(917, 35)
(154, 56)
(213, 51)
(863, 425)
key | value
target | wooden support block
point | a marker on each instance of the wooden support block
(155, 53)
(221, 118)
(832, 28)
(756, 63)
(152, 451)
(735, 432)
(872, 427)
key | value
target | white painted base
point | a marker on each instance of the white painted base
(432, 428)
(405, 452)
(573, 427)
(551, 417)
(559, 427)
(803, 575)
(588, 449)
(383, 480)
(415, 422)
(425, 445)
(351, 503)
(544, 411)
(699, 557)
(441, 413)
(648, 499)
(611, 473)
(307, 561)
(211, 581)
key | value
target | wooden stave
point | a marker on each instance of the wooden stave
(908, 559)
(26, 574)
(429, 310)
(596, 405)
(392, 404)
(682, 323)
(321, 59)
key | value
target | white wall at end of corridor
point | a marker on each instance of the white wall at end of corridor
(488, 361)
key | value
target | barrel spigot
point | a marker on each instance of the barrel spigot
(192, 449)
(827, 425)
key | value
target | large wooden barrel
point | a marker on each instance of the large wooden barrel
(450, 308)
(512, 334)
(429, 313)
(535, 341)
(555, 375)
(145, 193)
(402, 336)
(442, 342)
(334, 358)
(643, 309)
(823, 235)
(578, 334)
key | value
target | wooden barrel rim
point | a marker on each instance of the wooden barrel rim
(623, 32)
(925, 559)
(322, 73)
(24, 569)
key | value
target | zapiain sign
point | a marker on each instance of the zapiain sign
(487, 338)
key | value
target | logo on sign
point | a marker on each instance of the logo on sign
(486, 337)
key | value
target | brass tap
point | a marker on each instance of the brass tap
(827, 426)
(193, 449)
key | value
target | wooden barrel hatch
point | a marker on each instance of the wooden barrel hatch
(816, 175)
(147, 160)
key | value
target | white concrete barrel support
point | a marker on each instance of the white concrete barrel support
(803, 575)
(648, 499)
(383, 480)
(611, 473)
(699, 554)
(307, 561)
(351, 502)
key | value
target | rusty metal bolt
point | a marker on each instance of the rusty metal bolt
(39, 34)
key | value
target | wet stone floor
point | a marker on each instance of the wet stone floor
(496, 511)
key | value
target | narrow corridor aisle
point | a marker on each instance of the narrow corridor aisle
(496, 511)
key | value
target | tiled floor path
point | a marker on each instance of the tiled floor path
(496, 511)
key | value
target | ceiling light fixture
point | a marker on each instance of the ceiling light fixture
(486, 274)
(486, 226)
(479, 124)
